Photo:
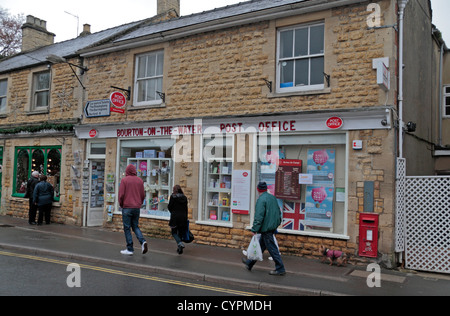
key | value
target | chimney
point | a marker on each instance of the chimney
(164, 6)
(35, 34)
(86, 30)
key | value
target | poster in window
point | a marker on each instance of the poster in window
(319, 206)
(293, 216)
(240, 196)
(287, 184)
(268, 166)
(321, 164)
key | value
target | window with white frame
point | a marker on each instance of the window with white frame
(41, 91)
(3, 93)
(149, 78)
(300, 58)
(447, 101)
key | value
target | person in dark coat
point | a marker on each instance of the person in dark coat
(31, 184)
(178, 208)
(43, 197)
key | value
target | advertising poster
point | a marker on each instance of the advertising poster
(319, 206)
(268, 166)
(321, 164)
(287, 186)
(240, 195)
(293, 216)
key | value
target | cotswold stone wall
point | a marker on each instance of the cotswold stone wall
(221, 74)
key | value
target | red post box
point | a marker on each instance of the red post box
(368, 235)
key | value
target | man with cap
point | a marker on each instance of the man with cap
(267, 219)
(31, 184)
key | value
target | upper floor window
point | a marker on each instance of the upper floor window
(41, 91)
(447, 101)
(3, 92)
(300, 58)
(149, 78)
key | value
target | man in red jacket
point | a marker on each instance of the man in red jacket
(131, 197)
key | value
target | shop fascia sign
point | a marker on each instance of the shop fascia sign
(352, 120)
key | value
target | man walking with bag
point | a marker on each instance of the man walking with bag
(267, 219)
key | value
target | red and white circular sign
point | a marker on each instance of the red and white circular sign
(93, 133)
(118, 99)
(335, 123)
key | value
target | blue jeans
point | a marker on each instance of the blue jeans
(130, 217)
(268, 242)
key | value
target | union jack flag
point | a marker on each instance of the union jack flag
(293, 216)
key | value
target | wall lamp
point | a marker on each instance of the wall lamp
(54, 59)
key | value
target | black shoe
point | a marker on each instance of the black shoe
(275, 272)
(244, 261)
(32, 223)
(180, 248)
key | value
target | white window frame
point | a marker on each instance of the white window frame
(4, 97)
(308, 57)
(34, 106)
(445, 106)
(158, 101)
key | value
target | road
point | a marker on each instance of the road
(28, 275)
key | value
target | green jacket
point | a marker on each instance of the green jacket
(267, 214)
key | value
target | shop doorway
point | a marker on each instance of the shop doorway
(96, 193)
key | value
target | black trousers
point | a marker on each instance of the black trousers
(44, 210)
(32, 211)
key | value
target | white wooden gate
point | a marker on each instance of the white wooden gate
(423, 226)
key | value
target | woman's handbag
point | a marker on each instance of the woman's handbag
(187, 237)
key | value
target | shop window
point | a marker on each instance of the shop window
(45, 160)
(153, 161)
(149, 79)
(300, 58)
(3, 93)
(307, 175)
(217, 178)
(447, 101)
(41, 91)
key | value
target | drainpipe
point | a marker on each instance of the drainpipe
(401, 13)
(441, 105)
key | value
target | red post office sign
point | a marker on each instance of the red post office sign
(93, 133)
(118, 102)
(335, 122)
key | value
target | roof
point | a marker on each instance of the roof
(64, 49)
(208, 16)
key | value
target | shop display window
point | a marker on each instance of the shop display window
(307, 175)
(45, 160)
(217, 171)
(154, 165)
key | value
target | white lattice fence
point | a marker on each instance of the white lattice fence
(427, 209)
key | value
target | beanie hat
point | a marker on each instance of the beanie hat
(262, 186)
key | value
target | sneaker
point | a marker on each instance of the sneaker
(144, 248)
(180, 248)
(275, 272)
(126, 252)
(244, 261)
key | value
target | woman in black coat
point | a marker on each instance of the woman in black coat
(178, 208)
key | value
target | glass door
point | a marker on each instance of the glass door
(96, 193)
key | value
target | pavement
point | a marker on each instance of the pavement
(304, 277)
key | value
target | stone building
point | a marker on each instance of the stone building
(300, 94)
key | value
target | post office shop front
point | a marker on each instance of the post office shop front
(219, 162)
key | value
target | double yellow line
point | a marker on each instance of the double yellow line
(132, 275)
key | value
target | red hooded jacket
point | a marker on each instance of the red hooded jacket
(131, 190)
